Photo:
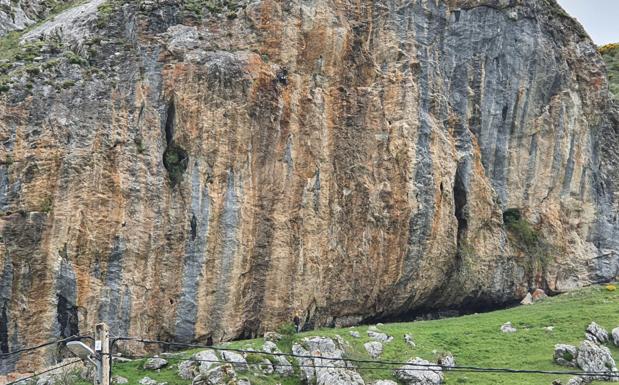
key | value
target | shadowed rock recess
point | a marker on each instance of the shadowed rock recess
(203, 169)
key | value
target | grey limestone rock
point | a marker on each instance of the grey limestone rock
(596, 359)
(615, 336)
(206, 359)
(147, 381)
(419, 372)
(187, 370)
(596, 333)
(236, 359)
(374, 348)
(119, 380)
(155, 363)
(565, 355)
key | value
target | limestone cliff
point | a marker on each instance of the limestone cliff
(206, 168)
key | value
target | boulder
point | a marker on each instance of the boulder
(187, 370)
(527, 300)
(236, 359)
(377, 336)
(206, 359)
(219, 375)
(355, 334)
(266, 367)
(338, 376)
(565, 355)
(413, 374)
(280, 364)
(322, 349)
(615, 335)
(272, 336)
(579, 380)
(119, 380)
(306, 365)
(155, 363)
(447, 360)
(409, 340)
(596, 359)
(596, 333)
(508, 328)
(538, 294)
(270, 347)
(147, 381)
(373, 348)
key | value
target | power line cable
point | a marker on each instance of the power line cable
(43, 372)
(385, 364)
(31, 348)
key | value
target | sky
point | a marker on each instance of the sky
(599, 17)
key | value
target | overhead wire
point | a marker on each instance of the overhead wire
(43, 345)
(378, 364)
(20, 380)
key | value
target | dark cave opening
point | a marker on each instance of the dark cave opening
(4, 331)
(67, 317)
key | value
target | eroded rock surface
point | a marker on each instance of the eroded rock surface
(192, 173)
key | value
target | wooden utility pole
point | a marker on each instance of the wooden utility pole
(102, 348)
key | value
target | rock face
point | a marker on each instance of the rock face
(594, 358)
(193, 172)
(596, 333)
(565, 355)
(419, 372)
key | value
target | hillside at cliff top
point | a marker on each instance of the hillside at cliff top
(202, 170)
(610, 54)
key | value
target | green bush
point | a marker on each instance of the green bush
(175, 160)
(287, 329)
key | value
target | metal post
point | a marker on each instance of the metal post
(102, 348)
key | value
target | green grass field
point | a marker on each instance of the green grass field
(474, 340)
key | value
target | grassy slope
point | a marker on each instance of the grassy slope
(474, 340)
(610, 53)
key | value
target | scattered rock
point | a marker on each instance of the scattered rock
(355, 334)
(187, 370)
(280, 364)
(338, 376)
(116, 379)
(615, 334)
(272, 336)
(373, 348)
(409, 340)
(218, 375)
(206, 359)
(266, 367)
(377, 336)
(372, 328)
(527, 300)
(580, 381)
(147, 381)
(595, 358)
(596, 333)
(413, 374)
(565, 355)
(538, 294)
(236, 359)
(155, 363)
(243, 381)
(508, 328)
(549, 328)
(322, 348)
(447, 360)
(384, 382)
